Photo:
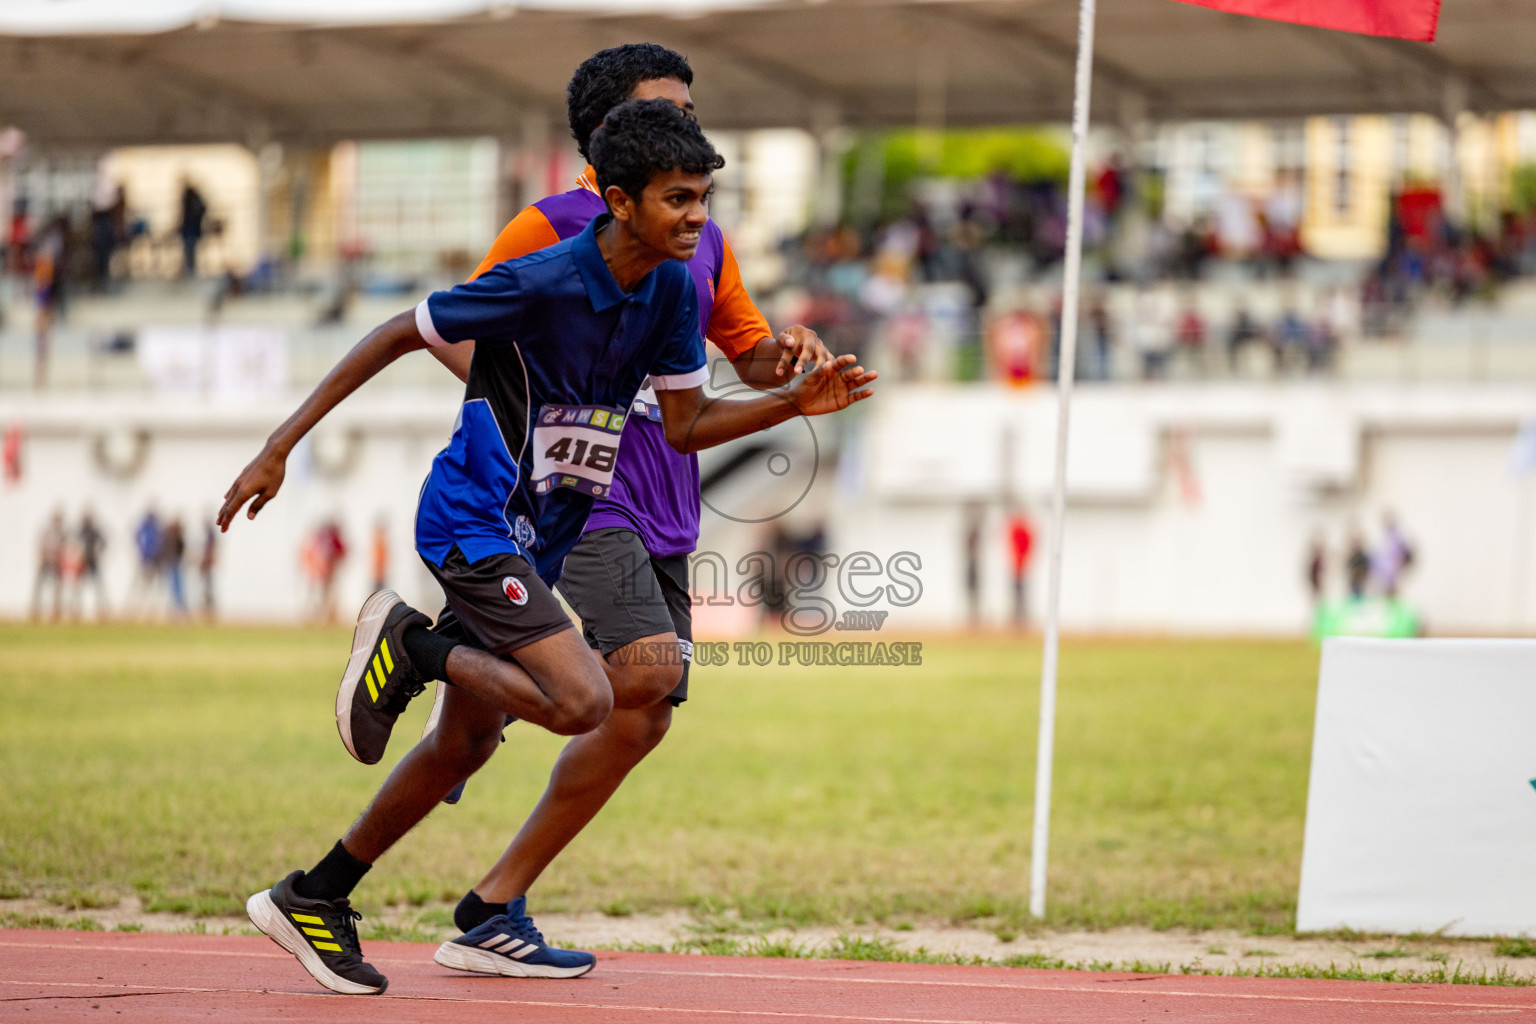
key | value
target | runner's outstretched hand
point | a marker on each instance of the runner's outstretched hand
(834, 385)
(802, 347)
(259, 480)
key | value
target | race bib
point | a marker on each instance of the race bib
(576, 446)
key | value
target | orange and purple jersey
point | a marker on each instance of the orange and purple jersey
(655, 490)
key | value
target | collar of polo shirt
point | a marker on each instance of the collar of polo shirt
(598, 280)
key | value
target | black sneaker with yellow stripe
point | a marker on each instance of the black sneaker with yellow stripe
(380, 680)
(321, 933)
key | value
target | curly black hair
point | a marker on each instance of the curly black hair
(607, 78)
(643, 138)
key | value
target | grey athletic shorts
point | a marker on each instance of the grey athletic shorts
(622, 593)
(497, 604)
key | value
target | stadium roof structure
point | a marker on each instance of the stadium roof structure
(105, 72)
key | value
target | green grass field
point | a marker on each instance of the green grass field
(193, 766)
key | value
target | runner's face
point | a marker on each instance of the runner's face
(671, 213)
(664, 89)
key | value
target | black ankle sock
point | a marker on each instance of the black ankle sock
(473, 911)
(334, 877)
(428, 652)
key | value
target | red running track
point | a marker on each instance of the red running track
(66, 976)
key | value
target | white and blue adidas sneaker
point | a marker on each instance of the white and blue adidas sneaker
(509, 945)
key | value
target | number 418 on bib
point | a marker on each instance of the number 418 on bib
(576, 446)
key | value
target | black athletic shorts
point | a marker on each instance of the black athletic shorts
(498, 604)
(622, 593)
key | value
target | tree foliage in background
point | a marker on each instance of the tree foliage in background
(1522, 188)
(888, 163)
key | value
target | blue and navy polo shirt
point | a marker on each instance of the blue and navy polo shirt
(560, 351)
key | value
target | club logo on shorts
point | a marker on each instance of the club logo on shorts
(523, 531)
(514, 589)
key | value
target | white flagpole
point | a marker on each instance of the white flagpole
(1065, 366)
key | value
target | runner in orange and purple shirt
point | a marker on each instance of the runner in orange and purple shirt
(627, 579)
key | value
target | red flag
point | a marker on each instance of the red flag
(1404, 19)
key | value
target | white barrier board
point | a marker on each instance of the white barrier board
(1421, 814)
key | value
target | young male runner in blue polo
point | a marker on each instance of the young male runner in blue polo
(627, 580)
(565, 337)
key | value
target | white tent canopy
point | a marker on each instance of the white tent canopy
(104, 72)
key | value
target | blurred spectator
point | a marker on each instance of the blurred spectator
(1110, 187)
(1101, 338)
(1243, 332)
(322, 556)
(50, 567)
(171, 557)
(146, 543)
(1357, 566)
(18, 239)
(207, 561)
(90, 542)
(906, 337)
(49, 273)
(71, 566)
(1053, 326)
(1190, 335)
(1321, 345)
(109, 230)
(975, 515)
(380, 554)
(1240, 229)
(1280, 223)
(1150, 334)
(1290, 338)
(1015, 344)
(1196, 245)
(10, 454)
(194, 212)
(787, 571)
(1317, 571)
(1021, 542)
(1392, 557)
(1342, 313)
